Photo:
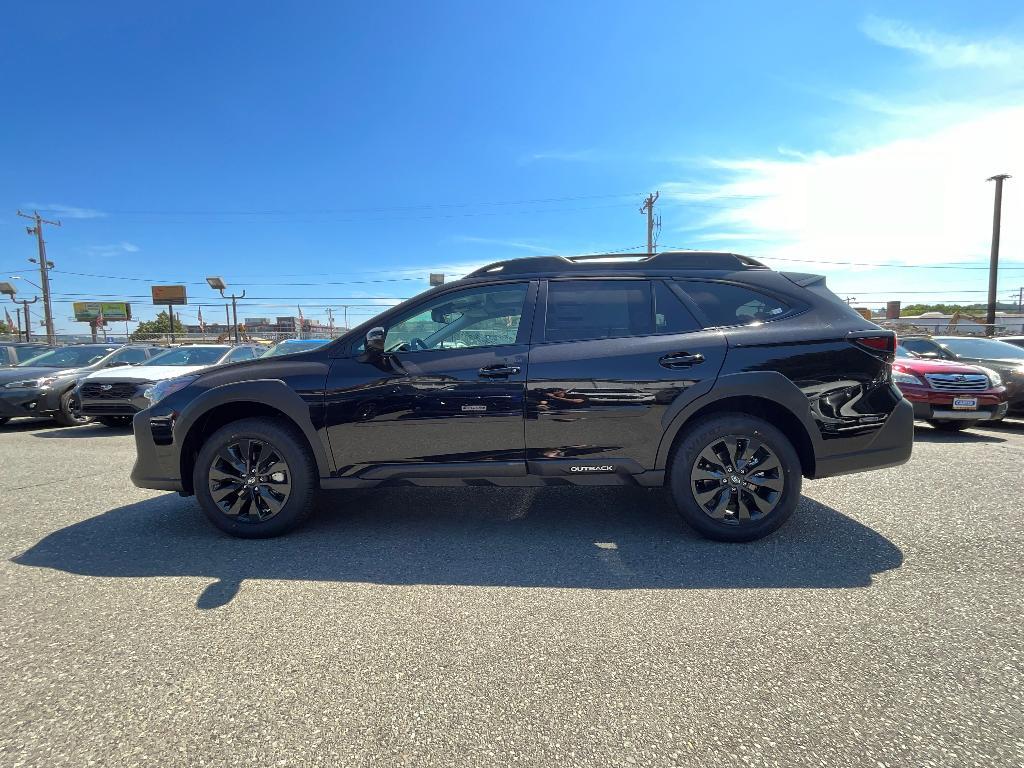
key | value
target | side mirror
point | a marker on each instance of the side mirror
(375, 340)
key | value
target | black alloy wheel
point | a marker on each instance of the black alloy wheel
(734, 476)
(69, 415)
(256, 477)
(737, 479)
(249, 480)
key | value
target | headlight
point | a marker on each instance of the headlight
(993, 378)
(162, 389)
(902, 377)
(41, 383)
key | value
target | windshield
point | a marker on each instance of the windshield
(982, 348)
(189, 356)
(902, 351)
(287, 347)
(68, 357)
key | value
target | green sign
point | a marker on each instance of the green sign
(87, 311)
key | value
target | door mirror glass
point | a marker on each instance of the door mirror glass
(375, 340)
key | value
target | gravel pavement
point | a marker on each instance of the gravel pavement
(882, 626)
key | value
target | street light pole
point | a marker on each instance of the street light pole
(28, 323)
(993, 265)
(219, 285)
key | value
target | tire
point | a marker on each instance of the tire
(115, 422)
(66, 416)
(953, 426)
(254, 510)
(720, 504)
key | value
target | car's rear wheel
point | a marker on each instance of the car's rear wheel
(735, 477)
(255, 478)
(67, 416)
(115, 422)
(953, 426)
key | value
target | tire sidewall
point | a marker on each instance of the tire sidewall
(301, 465)
(696, 438)
(64, 416)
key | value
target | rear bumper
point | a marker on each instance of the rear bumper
(156, 466)
(890, 446)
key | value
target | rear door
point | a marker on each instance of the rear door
(609, 357)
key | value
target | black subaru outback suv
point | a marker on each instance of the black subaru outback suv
(705, 372)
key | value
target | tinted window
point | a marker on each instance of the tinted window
(921, 346)
(598, 309)
(188, 356)
(476, 317)
(982, 348)
(729, 304)
(132, 356)
(670, 314)
(242, 353)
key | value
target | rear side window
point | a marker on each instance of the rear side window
(727, 304)
(598, 309)
(670, 314)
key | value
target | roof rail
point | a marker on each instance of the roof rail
(663, 260)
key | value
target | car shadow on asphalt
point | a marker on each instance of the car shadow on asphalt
(924, 434)
(27, 425)
(581, 538)
(86, 430)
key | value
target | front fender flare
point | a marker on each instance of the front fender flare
(270, 392)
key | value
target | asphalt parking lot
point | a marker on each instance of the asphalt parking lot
(881, 626)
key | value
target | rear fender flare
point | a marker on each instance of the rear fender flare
(767, 385)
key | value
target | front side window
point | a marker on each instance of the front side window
(475, 317)
(726, 304)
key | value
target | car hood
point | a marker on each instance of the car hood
(35, 372)
(144, 372)
(923, 366)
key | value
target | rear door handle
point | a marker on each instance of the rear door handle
(681, 360)
(499, 371)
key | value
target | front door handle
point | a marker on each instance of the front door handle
(499, 371)
(681, 360)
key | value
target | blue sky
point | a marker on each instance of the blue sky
(334, 144)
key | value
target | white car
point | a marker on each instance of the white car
(115, 395)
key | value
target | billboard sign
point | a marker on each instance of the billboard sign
(87, 311)
(169, 294)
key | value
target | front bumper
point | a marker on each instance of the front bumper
(930, 405)
(156, 466)
(23, 401)
(111, 407)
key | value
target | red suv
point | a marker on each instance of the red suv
(949, 396)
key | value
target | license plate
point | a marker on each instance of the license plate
(965, 403)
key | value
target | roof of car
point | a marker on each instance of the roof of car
(612, 262)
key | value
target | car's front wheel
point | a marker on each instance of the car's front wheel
(255, 478)
(735, 477)
(67, 416)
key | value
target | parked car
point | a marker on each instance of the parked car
(13, 353)
(1017, 341)
(112, 397)
(997, 357)
(25, 390)
(948, 395)
(706, 372)
(288, 346)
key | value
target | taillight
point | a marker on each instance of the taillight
(885, 343)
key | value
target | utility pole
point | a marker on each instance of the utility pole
(648, 208)
(330, 322)
(44, 268)
(993, 266)
(24, 305)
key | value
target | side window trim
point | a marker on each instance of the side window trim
(795, 307)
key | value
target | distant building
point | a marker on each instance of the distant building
(281, 326)
(937, 323)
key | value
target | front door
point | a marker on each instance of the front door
(610, 357)
(450, 387)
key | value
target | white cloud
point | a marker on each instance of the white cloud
(915, 201)
(574, 156)
(944, 51)
(110, 249)
(517, 244)
(67, 211)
